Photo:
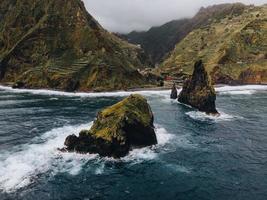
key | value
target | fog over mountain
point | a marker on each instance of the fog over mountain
(127, 15)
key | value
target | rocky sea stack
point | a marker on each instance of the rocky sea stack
(117, 129)
(198, 91)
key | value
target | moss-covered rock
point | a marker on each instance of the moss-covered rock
(117, 129)
(198, 91)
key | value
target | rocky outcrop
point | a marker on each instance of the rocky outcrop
(117, 129)
(198, 91)
(174, 94)
(57, 44)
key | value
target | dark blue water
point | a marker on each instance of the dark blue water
(198, 157)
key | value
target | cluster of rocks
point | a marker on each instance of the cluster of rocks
(198, 91)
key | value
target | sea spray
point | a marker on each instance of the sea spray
(21, 168)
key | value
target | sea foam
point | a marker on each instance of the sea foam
(201, 116)
(21, 168)
(241, 90)
(85, 94)
(234, 90)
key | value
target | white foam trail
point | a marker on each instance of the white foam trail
(16, 102)
(150, 153)
(234, 90)
(21, 168)
(201, 116)
(178, 168)
(84, 94)
(241, 90)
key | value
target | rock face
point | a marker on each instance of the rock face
(117, 129)
(198, 91)
(57, 44)
(174, 94)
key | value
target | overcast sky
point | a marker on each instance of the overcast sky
(127, 15)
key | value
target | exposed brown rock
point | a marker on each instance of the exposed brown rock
(198, 91)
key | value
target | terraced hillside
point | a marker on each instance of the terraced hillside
(57, 44)
(159, 41)
(233, 48)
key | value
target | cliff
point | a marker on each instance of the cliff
(57, 44)
(231, 46)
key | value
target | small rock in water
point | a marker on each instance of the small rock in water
(117, 129)
(174, 94)
(18, 85)
(198, 91)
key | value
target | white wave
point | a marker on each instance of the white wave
(241, 90)
(150, 153)
(178, 168)
(201, 116)
(16, 102)
(86, 94)
(7, 96)
(21, 168)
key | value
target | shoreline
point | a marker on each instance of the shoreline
(148, 89)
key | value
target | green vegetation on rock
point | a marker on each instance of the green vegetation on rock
(117, 129)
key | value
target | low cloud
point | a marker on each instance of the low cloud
(127, 15)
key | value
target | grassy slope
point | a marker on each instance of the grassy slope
(159, 41)
(57, 44)
(234, 44)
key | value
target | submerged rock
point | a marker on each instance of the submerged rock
(174, 94)
(117, 129)
(18, 85)
(198, 91)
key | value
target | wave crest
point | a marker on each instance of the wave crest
(19, 169)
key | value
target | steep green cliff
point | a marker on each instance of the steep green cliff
(233, 48)
(57, 44)
(159, 41)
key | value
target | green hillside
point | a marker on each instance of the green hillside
(57, 44)
(234, 49)
(157, 42)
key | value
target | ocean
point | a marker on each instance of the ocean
(198, 157)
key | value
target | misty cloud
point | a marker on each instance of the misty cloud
(127, 15)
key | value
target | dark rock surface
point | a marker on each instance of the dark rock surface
(174, 94)
(198, 91)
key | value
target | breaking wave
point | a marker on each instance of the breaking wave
(241, 90)
(21, 168)
(84, 94)
(201, 116)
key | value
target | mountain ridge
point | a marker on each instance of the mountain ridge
(157, 42)
(59, 45)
